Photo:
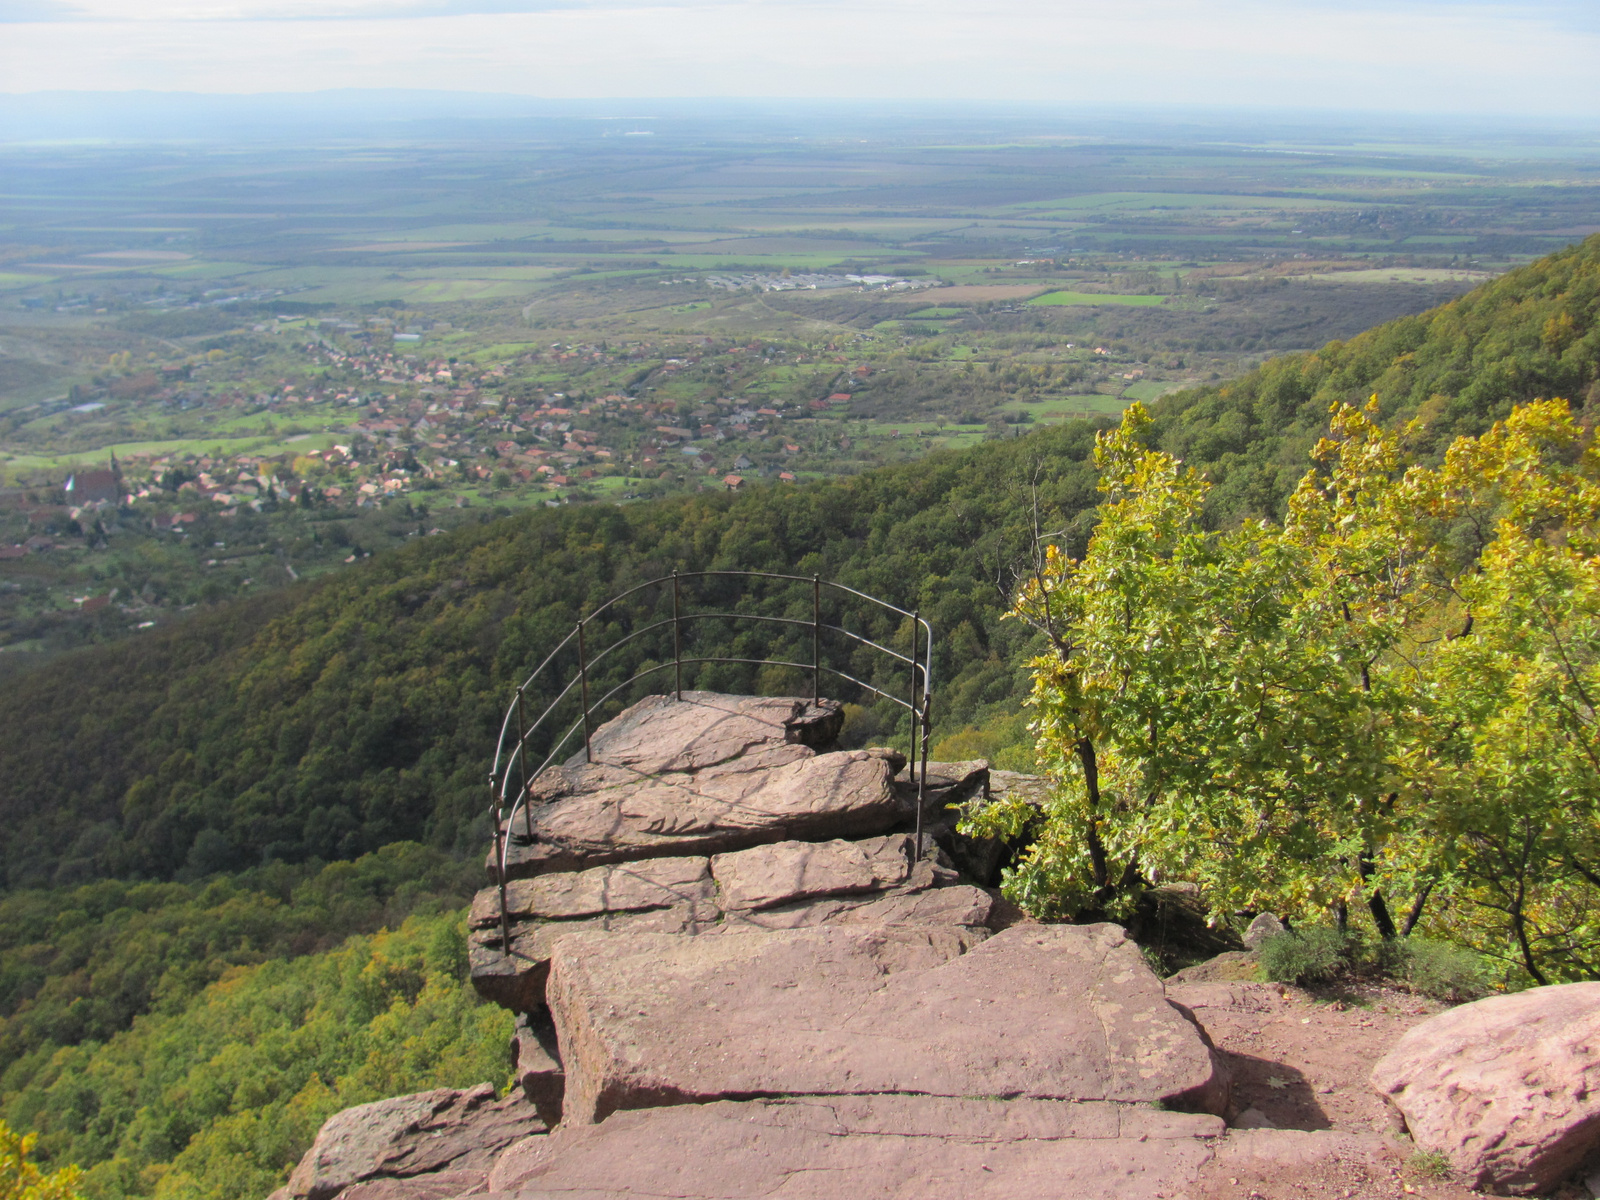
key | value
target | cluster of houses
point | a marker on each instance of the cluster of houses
(401, 420)
(789, 282)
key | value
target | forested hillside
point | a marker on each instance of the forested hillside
(338, 718)
(176, 1012)
(1530, 334)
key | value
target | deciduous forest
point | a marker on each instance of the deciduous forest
(195, 821)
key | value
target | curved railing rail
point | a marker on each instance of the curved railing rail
(510, 778)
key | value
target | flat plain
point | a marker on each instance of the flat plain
(315, 349)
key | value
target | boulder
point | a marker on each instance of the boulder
(459, 1132)
(1507, 1088)
(785, 872)
(948, 783)
(913, 1147)
(517, 980)
(783, 886)
(1033, 790)
(603, 815)
(1231, 966)
(661, 734)
(1263, 927)
(1041, 1011)
(620, 888)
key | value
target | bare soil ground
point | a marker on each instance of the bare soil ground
(1301, 1061)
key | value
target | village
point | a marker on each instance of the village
(366, 440)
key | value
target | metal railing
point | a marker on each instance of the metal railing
(510, 770)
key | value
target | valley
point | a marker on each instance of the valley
(299, 357)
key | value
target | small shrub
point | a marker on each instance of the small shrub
(1436, 969)
(1312, 955)
(1428, 1164)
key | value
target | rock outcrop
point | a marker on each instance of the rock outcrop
(806, 1148)
(704, 774)
(737, 973)
(420, 1147)
(1508, 1088)
(1041, 1011)
(716, 813)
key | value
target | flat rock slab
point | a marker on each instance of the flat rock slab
(960, 904)
(1508, 1088)
(618, 888)
(517, 980)
(461, 1132)
(1039, 1011)
(606, 815)
(784, 886)
(440, 1186)
(910, 1147)
(661, 734)
(786, 872)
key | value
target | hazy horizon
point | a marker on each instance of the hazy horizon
(1415, 57)
(56, 116)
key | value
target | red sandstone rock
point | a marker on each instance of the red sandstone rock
(660, 734)
(954, 905)
(746, 802)
(786, 872)
(440, 1186)
(1061, 1012)
(619, 888)
(445, 1130)
(517, 981)
(900, 1147)
(1508, 1087)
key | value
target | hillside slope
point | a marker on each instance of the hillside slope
(1531, 333)
(341, 717)
(366, 710)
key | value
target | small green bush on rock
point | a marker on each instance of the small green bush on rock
(1312, 955)
(1428, 1164)
(1436, 969)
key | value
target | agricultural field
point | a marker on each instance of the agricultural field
(257, 364)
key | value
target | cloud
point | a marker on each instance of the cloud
(12, 11)
(1571, 14)
(150, 11)
(1292, 53)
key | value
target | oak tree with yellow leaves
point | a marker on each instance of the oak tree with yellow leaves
(1384, 703)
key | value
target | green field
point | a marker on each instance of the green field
(1064, 298)
(10, 280)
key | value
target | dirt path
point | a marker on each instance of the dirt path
(1301, 1061)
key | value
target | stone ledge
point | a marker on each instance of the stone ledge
(1041, 1011)
(872, 1146)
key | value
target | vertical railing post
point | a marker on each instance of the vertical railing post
(522, 767)
(922, 775)
(583, 674)
(497, 810)
(816, 640)
(916, 629)
(677, 644)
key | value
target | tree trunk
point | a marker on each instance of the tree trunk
(1376, 905)
(1380, 916)
(1520, 926)
(1417, 905)
(1091, 781)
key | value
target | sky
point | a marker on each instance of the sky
(1532, 59)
